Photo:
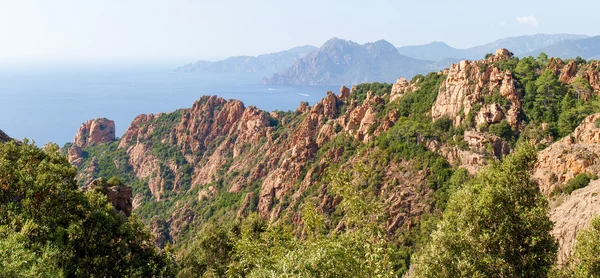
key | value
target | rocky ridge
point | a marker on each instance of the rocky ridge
(271, 161)
(467, 84)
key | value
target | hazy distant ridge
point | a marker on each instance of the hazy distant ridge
(270, 63)
(520, 46)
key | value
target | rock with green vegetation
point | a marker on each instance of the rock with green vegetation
(495, 226)
(50, 228)
(421, 140)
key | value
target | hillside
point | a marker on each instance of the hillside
(345, 62)
(267, 63)
(406, 147)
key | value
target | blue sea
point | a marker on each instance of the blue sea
(49, 105)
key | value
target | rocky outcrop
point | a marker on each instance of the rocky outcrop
(4, 137)
(401, 87)
(92, 132)
(482, 142)
(468, 82)
(120, 196)
(482, 148)
(574, 154)
(344, 93)
(489, 114)
(573, 214)
(95, 131)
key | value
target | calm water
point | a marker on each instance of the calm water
(50, 105)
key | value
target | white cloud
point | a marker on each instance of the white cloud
(528, 20)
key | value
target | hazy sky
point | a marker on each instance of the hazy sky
(135, 30)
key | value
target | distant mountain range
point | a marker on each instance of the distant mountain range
(345, 62)
(438, 51)
(340, 61)
(588, 48)
(267, 63)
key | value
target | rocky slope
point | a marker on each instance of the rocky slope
(267, 63)
(575, 154)
(220, 159)
(573, 214)
(345, 62)
(559, 163)
(267, 162)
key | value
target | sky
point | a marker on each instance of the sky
(57, 31)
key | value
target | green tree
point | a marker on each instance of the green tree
(59, 230)
(581, 89)
(543, 58)
(496, 226)
(549, 94)
(210, 254)
(526, 70)
(358, 249)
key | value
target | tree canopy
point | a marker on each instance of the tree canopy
(495, 226)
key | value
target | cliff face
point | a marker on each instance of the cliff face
(563, 160)
(120, 196)
(572, 155)
(269, 160)
(573, 214)
(92, 132)
(216, 133)
(468, 83)
(95, 131)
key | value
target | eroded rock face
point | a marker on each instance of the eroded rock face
(75, 155)
(468, 82)
(489, 114)
(344, 93)
(401, 87)
(92, 132)
(121, 198)
(95, 131)
(481, 142)
(482, 147)
(574, 154)
(573, 214)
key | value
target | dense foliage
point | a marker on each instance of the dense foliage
(495, 226)
(49, 228)
(253, 248)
